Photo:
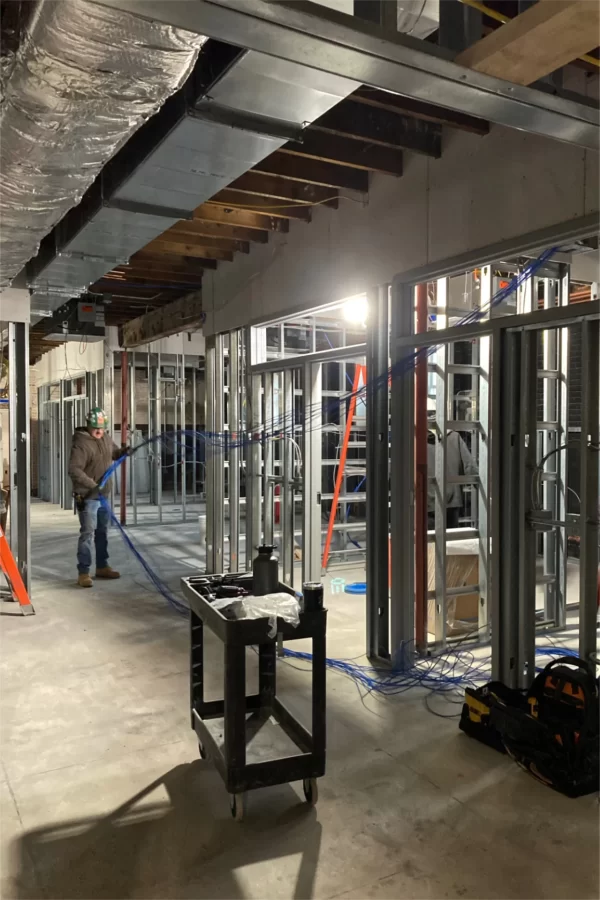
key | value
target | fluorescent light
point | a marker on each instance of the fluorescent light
(355, 309)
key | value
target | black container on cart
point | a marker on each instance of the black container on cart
(254, 741)
(265, 571)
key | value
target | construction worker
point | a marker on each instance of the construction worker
(458, 462)
(92, 452)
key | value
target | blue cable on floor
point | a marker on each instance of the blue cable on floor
(436, 673)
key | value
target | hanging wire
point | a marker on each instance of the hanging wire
(445, 673)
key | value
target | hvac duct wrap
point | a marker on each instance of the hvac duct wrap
(84, 79)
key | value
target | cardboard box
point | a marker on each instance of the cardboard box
(462, 568)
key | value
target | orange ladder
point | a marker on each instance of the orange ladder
(13, 577)
(359, 373)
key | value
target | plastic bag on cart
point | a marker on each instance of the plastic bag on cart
(270, 606)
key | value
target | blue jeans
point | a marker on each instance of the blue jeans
(94, 520)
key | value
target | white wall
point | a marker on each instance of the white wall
(75, 358)
(481, 191)
(70, 360)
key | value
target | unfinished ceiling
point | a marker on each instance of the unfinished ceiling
(222, 166)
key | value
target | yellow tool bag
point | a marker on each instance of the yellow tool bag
(551, 731)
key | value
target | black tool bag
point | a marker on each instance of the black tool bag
(555, 737)
(475, 718)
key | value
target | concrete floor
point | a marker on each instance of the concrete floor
(104, 796)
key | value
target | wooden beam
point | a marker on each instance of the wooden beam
(425, 111)
(245, 218)
(258, 184)
(191, 236)
(142, 271)
(358, 154)
(149, 271)
(180, 315)
(274, 208)
(125, 293)
(151, 280)
(314, 172)
(378, 126)
(219, 232)
(545, 37)
(186, 264)
(175, 247)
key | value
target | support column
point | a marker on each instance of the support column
(154, 409)
(590, 438)
(377, 463)
(421, 494)
(527, 535)
(255, 344)
(311, 506)
(483, 439)
(210, 455)
(183, 437)
(124, 410)
(505, 502)
(234, 451)
(267, 474)
(288, 487)
(131, 461)
(108, 388)
(218, 502)
(19, 443)
(402, 596)
(441, 465)
(514, 548)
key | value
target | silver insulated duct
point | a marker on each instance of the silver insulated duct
(84, 79)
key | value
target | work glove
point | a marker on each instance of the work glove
(125, 451)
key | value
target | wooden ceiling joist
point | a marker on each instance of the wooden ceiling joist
(354, 153)
(313, 171)
(423, 111)
(201, 231)
(156, 275)
(258, 184)
(268, 205)
(362, 122)
(217, 232)
(545, 37)
(178, 248)
(143, 268)
(244, 218)
(172, 262)
(155, 280)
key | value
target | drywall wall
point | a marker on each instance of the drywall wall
(75, 358)
(482, 190)
(70, 360)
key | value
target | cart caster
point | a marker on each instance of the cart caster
(202, 752)
(311, 790)
(237, 804)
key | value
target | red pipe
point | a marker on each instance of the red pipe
(124, 409)
(421, 477)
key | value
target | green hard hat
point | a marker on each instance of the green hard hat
(97, 418)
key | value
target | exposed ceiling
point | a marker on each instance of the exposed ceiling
(367, 132)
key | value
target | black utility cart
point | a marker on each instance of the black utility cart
(254, 741)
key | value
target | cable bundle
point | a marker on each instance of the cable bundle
(449, 671)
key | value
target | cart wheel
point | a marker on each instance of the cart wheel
(311, 790)
(237, 804)
(202, 751)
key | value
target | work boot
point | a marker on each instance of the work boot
(107, 572)
(84, 580)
